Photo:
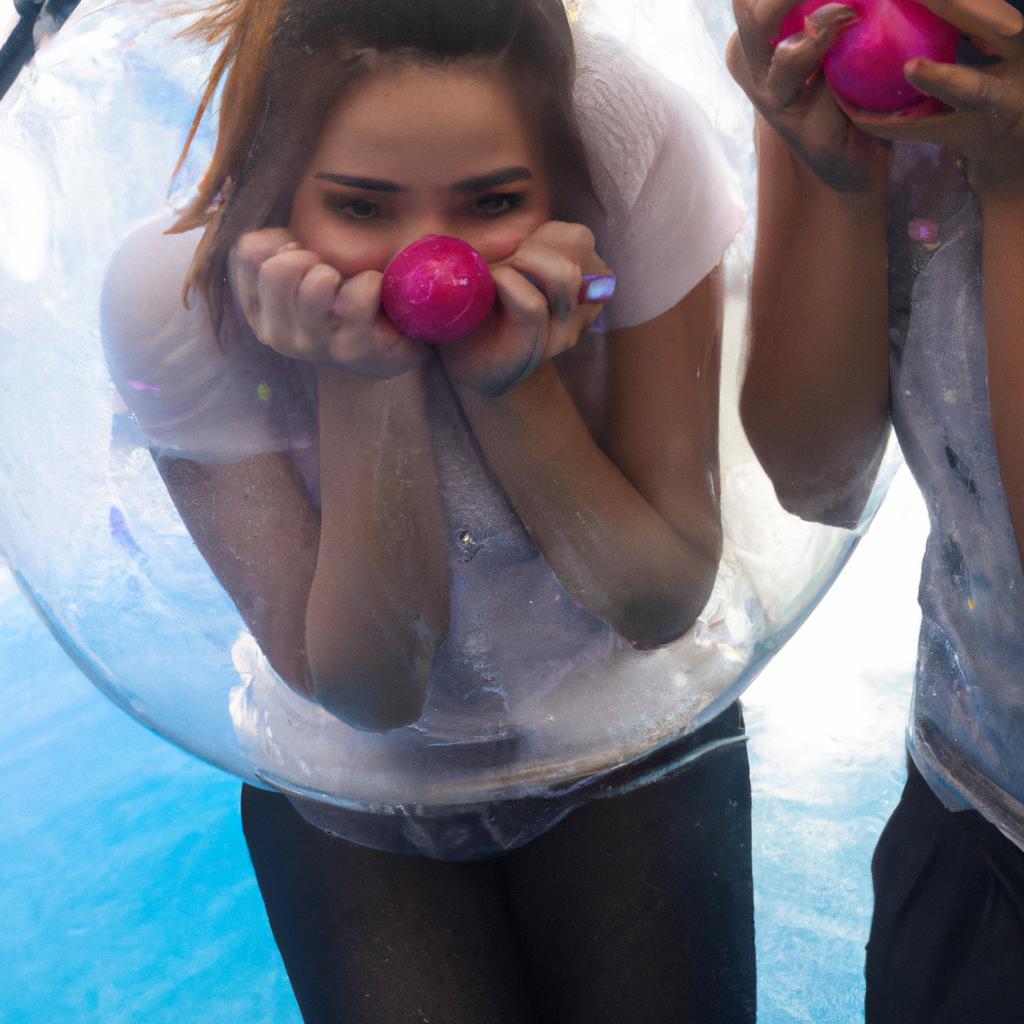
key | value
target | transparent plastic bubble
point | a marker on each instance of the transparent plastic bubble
(534, 702)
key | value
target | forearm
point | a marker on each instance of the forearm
(255, 527)
(815, 400)
(610, 549)
(1003, 277)
(661, 428)
(378, 605)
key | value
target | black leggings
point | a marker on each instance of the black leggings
(636, 909)
(947, 936)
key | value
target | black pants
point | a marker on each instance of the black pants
(636, 909)
(947, 937)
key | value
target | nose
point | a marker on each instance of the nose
(421, 227)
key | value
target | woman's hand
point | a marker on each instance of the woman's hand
(785, 84)
(986, 123)
(539, 313)
(299, 306)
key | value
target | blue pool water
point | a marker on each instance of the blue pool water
(126, 894)
(125, 890)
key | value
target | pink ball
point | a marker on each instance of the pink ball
(438, 289)
(865, 66)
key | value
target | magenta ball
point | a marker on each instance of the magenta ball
(865, 67)
(438, 289)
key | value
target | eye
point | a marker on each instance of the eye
(354, 209)
(497, 203)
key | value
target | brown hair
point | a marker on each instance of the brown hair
(284, 63)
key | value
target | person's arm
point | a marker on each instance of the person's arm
(221, 454)
(1003, 261)
(815, 400)
(633, 533)
(344, 612)
(663, 410)
(254, 525)
(378, 603)
(378, 599)
(340, 615)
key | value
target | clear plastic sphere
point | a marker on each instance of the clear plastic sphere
(89, 136)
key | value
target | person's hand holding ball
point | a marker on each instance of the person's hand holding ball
(865, 66)
(438, 289)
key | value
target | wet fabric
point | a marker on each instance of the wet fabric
(967, 728)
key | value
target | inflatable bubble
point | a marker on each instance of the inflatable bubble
(532, 701)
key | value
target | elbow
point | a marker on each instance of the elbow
(819, 483)
(364, 700)
(662, 611)
(657, 622)
(370, 657)
(372, 682)
(834, 497)
(839, 509)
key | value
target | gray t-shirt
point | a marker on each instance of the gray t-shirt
(967, 724)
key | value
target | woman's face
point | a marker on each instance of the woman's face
(420, 151)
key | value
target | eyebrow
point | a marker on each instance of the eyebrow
(367, 184)
(470, 186)
(485, 181)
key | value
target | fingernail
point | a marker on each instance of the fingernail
(597, 287)
(288, 247)
(913, 67)
(338, 308)
(830, 11)
(830, 14)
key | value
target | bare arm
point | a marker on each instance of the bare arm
(250, 517)
(662, 424)
(341, 610)
(378, 596)
(378, 605)
(255, 527)
(1003, 261)
(815, 399)
(633, 534)
(350, 612)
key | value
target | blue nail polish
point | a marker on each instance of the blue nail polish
(597, 287)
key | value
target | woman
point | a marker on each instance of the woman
(412, 531)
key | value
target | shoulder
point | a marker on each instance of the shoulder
(635, 123)
(142, 315)
(191, 395)
(142, 288)
(669, 198)
(621, 114)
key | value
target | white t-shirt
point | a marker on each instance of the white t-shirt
(670, 215)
